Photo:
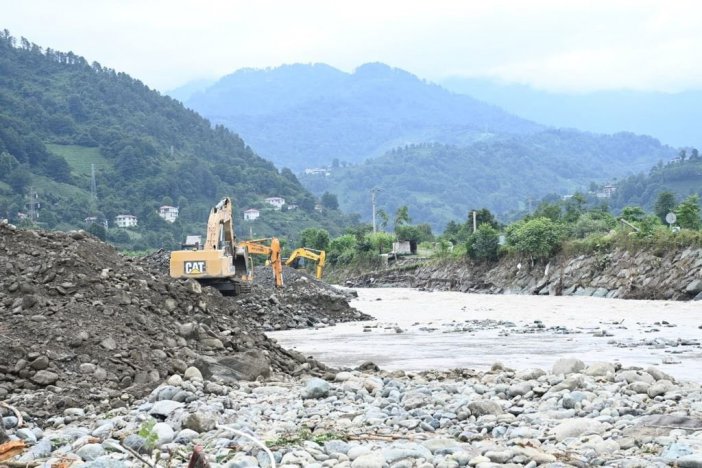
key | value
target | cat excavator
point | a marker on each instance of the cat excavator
(222, 262)
(317, 256)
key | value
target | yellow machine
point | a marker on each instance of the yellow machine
(220, 263)
(269, 247)
(317, 256)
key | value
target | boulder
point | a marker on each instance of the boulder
(316, 388)
(483, 407)
(248, 365)
(576, 427)
(567, 366)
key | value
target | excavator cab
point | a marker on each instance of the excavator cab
(317, 256)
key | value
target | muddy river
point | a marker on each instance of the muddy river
(417, 330)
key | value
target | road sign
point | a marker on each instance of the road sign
(670, 218)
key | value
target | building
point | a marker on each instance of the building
(609, 190)
(317, 171)
(168, 213)
(276, 202)
(125, 221)
(95, 220)
(251, 214)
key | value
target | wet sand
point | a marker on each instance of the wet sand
(418, 330)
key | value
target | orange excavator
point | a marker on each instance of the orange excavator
(270, 247)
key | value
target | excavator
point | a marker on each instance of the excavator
(222, 262)
(270, 247)
(317, 256)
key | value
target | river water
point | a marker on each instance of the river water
(416, 330)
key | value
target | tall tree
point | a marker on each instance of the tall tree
(688, 213)
(402, 216)
(665, 203)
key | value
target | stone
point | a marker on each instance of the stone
(164, 433)
(483, 407)
(599, 369)
(659, 374)
(45, 377)
(441, 446)
(690, 461)
(247, 366)
(26, 435)
(136, 443)
(40, 363)
(192, 373)
(369, 460)
(530, 374)
(316, 388)
(630, 376)
(200, 421)
(576, 427)
(109, 343)
(90, 452)
(567, 366)
(333, 447)
(660, 387)
(695, 287)
(164, 408)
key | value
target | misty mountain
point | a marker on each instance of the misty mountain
(673, 118)
(302, 116)
(440, 183)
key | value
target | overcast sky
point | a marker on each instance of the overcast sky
(564, 45)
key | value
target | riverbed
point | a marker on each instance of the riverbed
(419, 330)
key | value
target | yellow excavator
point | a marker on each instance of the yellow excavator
(270, 247)
(222, 262)
(317, 256)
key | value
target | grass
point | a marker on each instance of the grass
(80, 157)
(303, 435)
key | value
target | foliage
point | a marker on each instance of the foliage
(329, 201)
(418, 233)
(538, 238)
(665, 203)
(402, 217)
(61, 116)
(484, 243)
(688, 213)
(380, 242)
(633, 213)
(314, 238)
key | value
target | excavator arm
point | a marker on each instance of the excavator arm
(272, 251)
(317, 256)
(219, 226)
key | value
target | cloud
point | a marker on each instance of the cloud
(566, 45)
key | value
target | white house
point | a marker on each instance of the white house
(125, 221)
(168, 213)
(251, 214)
(276, 202)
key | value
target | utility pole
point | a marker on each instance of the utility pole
(374, 191)
(93, 185)
(475, 220)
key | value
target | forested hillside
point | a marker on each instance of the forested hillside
(440, 183)
(682, 177)
(60, 117)
(302, 116)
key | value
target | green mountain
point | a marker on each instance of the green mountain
(682, 177)
(303, 116)
(440, 183)
(62, 118)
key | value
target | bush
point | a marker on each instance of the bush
(484, 243)
(538, 238)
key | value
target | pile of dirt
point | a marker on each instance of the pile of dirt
(81, 324)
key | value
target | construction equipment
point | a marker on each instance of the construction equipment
(270, 247)
(221, 263)
(317, 256)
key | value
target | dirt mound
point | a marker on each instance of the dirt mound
(81, 324)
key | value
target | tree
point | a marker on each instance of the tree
(538, 238)
(665, 203)
(98, 230)
(329, 201)
(688, 213)
(383, 217)
(633, 213)
(8, 163)
(314, 238)
(402, 216)
(380, 241)
(20, 179)
(484, 243)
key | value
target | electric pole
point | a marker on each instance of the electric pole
(374, 191)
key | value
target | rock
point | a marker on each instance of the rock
(192, 373)
(599, 369)
(690, 461)
(136, 443)
(200, 421)
(40, 363)
(185, 436)
(164, 408)
(440, 446)
(109, 343)
(483, 407)
(398, 452)
(316, 388)
(576, 427)
(248, 365)
(41, 449)
(567, 366)
(519, 389)
(530, 374)
(660, 387)
(659, 374)
(164, 433)
(90, 452)
(333, 447)
(630, 376)
(695, 287)
(26, 435)
(44, 377)
(369, 460)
